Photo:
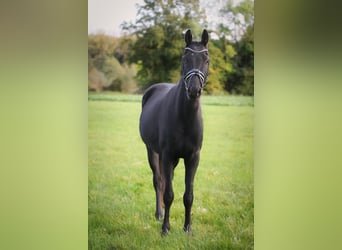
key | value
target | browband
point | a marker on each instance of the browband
(196, 51)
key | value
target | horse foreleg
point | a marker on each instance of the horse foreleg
(190, 171)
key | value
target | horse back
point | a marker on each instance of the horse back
(156, 91)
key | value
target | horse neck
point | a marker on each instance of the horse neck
(188, 109)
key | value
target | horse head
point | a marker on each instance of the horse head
(195, 64)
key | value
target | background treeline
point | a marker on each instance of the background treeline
(151, 48)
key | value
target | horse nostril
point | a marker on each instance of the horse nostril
(199, 92)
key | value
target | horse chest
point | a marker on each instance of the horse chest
(184, 141)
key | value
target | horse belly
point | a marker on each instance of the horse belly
(149, 125)
(152, 113)
(148, 128)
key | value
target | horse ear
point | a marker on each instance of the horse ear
(188, 37)
(205, 37)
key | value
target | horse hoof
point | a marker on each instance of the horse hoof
(187, 229)
(164, 232)
(159, 216)
(165, 229)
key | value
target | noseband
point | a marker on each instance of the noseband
(195, 72)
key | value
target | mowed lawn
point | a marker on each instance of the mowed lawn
(121, 199)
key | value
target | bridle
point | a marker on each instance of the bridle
(195, 72)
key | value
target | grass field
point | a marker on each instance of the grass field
(121, 199)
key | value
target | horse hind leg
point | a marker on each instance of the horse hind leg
(153, 159)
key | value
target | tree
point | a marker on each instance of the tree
(100, 46)
(238, 18)
(239, 33)
(220, 64)
(245, 61)
(107, 64)
(159, 41)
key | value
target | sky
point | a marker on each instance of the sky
(107, 15)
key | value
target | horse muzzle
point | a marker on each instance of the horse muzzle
(194, 82)
(194, 92)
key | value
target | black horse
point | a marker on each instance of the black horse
(171, 127)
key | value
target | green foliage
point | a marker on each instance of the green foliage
(238, 18)
(121, 198)
(160, 43)
(220, 64)
(107, 64)
(157, 55)
(239, 80)
(152, 49)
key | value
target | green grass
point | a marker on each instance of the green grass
(121, 198)
(220, 100)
